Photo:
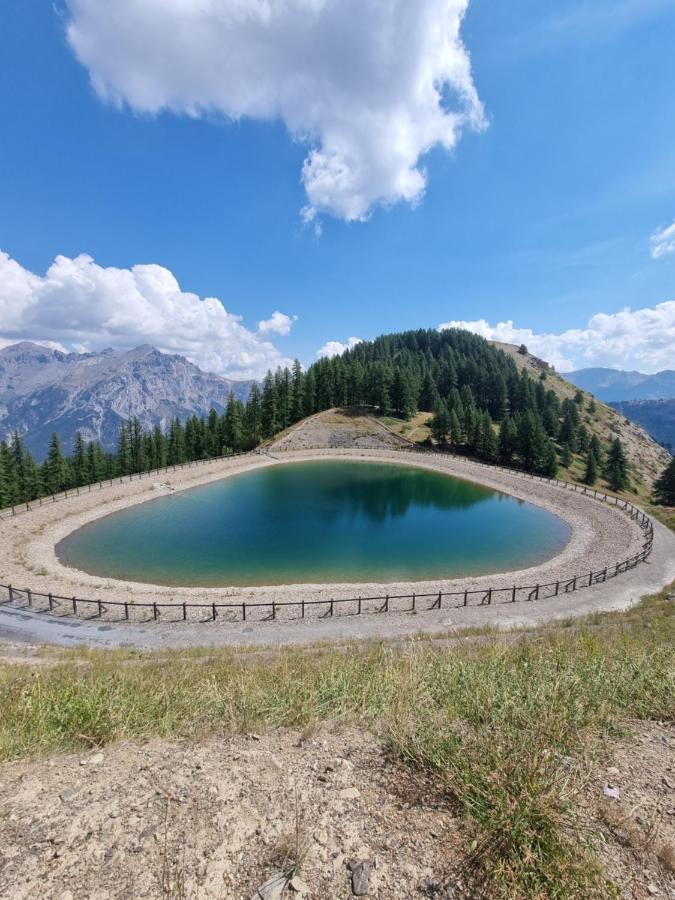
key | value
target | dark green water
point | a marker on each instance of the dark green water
(318, 522)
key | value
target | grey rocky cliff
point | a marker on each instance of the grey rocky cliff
(44, 390)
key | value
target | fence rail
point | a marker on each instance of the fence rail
(271, 610)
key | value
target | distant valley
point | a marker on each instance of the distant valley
(647, 400)
(656, 416)
(615, 385)
(43, 390)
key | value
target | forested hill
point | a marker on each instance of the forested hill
(477, 399)
(412, 370)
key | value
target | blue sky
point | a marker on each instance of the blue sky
(543, 216)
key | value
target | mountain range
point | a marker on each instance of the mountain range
(615, 385)
(44, 390)
(656, 416)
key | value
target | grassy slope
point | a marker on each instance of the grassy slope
(491, 719)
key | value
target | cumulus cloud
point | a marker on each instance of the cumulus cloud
(369, 86)
(662, 242)
(335, 348)
(640, 339)
(79, 305)
(278, 323)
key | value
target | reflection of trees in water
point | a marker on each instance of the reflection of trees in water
(389, 495)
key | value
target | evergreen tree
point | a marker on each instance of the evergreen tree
(428, 393)
(8, 480)
(253, 416)
(566, 456)
(591, 471)
(81, 474)
(234, 425)
(616, 467)
(298, 392)
(176, 444)
(5, 488)
(268, 416)
(403, 393)
(508, 440)
(440, 424)
(96, 462)
(664, 488)
(455, 427)
(54, 468)
(549, 459)
(124, 458)
(595, 448)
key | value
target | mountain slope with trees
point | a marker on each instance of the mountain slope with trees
(479, 399)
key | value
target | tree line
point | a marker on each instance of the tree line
(481, 404)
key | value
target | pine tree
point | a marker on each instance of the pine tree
(298, 392)
(176, 444)
(566, 456)
(595, 448)
(616, 467)
(268, 414)
(234, 425)
(549, 459)
(440, 424)
(54, 468)
(5, 493)
(403, 393)
(508, 440)
(80, 468)
(252, 416)
(123, 457)
(428, 393)
(455, 428)
(664, 487)
(10, 492)
(591, 471)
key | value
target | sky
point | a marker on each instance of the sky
(249, 181)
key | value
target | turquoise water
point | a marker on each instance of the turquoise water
(318, 522)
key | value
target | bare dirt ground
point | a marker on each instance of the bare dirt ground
(631, 802)
(339, 428)
(221, 818)
(218, 819)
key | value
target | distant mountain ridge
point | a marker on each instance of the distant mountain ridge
(656, 416)
(615, 385)
(43, 390)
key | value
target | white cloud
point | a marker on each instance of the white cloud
(370, 86)
(278, 323)
(662, 242)
(335, 348)
(79, 305)
(642, 339)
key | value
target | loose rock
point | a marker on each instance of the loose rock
(361, 877)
